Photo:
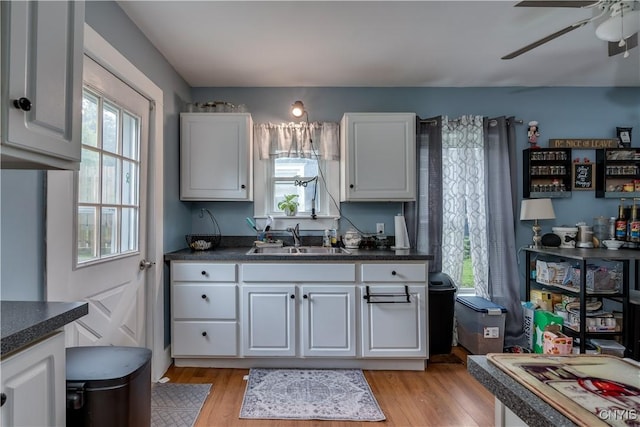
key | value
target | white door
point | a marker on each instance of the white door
(96, 218)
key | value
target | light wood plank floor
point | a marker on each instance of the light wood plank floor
(443, 395)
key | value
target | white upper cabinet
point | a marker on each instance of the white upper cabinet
(378, 157)
(41, 110)
(216, 156)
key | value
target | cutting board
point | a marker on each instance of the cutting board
(588, 389)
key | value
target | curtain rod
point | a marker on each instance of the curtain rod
(492, 122)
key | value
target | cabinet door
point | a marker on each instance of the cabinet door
(33, 380)
(43, 65)
(378, 160)
(268, 320)
(394, 329)
(328, 320)
(215, 156)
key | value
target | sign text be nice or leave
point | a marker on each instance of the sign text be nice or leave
(584, 143)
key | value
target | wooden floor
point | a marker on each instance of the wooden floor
(443, 395)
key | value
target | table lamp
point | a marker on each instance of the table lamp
(536, 209)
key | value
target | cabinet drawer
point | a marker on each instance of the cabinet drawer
(298, 272)
(205, 339)
(203, 272)
(394, 272)
(204, 301)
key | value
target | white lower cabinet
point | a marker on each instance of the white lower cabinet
(311, 315)
(320, 317)
(391, 325)
(204, 310)
(393, 308)
(34, 384)
(325, 311)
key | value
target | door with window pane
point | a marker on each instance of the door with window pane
(96, 218)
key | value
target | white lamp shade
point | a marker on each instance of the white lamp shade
(532, 209)
(619, 27)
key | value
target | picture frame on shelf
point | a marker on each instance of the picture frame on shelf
(583, 176)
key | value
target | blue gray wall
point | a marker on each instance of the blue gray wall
(562, 113)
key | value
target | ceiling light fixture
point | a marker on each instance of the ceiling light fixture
(297, 109)
(619, 27)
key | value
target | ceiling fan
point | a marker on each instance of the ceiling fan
(620, 29)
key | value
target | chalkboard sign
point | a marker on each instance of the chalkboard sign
(583, 176)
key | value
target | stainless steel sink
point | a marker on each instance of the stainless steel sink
(301, 250)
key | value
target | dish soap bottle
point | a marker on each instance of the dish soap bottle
(326, 239)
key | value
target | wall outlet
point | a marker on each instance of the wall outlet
(380, 228)
(493, 332)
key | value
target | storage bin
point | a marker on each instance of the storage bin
(108, 386)
(480, 324)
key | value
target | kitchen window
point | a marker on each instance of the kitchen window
(296, 176)
(288, 160)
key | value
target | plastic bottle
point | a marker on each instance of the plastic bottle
(326, 239)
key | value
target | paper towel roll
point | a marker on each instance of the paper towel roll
(402, 237)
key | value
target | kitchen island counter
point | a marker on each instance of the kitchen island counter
(522, 402)
(24, 322)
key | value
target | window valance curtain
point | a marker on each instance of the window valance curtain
(298, 140)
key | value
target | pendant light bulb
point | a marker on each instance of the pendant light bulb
(626, 54)
(297, 109)
(621, 43)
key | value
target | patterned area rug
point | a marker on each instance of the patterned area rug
(309, 394)
(177, 405)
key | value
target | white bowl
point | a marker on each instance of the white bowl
(613, 244)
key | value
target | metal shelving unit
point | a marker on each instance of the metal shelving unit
(630, 259)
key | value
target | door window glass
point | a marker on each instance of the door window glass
(108, 211)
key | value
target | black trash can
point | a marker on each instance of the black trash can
(108, 386)
(442, 297)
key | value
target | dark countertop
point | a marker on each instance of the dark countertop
(240, 254)
(523, 402)
(23, 322)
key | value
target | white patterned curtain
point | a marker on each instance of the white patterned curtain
(298, 140)
(463, 199)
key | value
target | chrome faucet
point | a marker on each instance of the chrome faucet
(295, 232)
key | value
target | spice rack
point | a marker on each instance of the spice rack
(547, 173)
(618, 173)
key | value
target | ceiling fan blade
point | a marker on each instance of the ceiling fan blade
(545, 39)
(614, 49)
(552, 3)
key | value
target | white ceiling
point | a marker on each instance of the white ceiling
(380, 43)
